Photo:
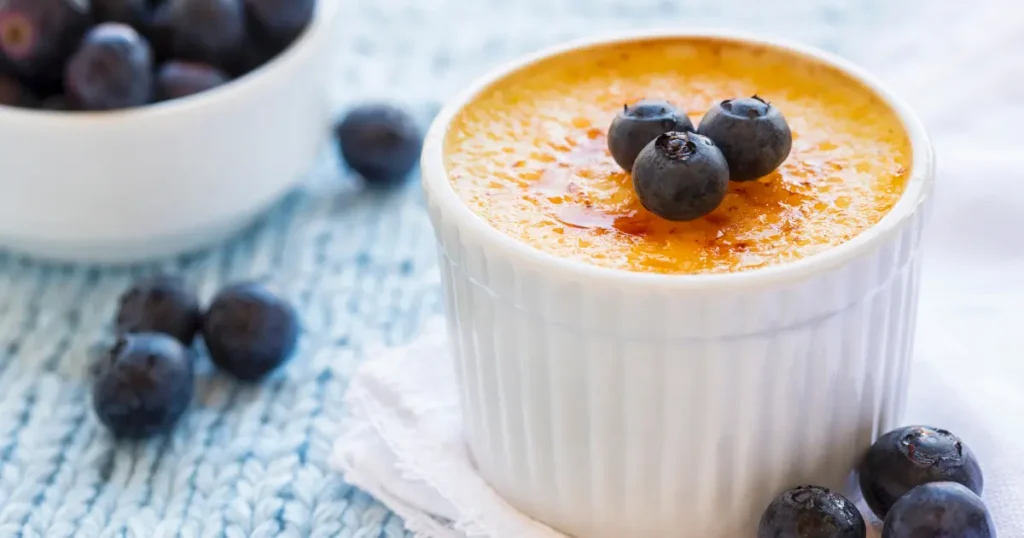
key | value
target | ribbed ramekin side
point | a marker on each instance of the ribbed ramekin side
(603, 412)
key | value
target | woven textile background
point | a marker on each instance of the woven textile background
(360, 264)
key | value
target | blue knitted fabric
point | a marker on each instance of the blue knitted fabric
(359, 264)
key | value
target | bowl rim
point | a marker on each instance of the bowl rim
(919, 184)
(323, 23)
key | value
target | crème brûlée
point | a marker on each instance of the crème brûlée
(529, 156)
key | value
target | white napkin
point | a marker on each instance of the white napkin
(403, 444)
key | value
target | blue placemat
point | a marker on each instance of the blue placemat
(359, 263)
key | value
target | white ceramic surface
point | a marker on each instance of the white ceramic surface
(608, 403)
(144, 183)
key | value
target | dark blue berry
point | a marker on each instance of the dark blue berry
(908, 457)
(280, 21)
(636, 125)
(160, 304)
(249, 331)
(143, 386)
(207, 31)
(939, 510)
(57, 103)
(752, 134)
(38, 36)
(181, 79)
(680, 176)
(13, 93)
(112, 69)
(811, 512)
(380, 142)
(135, 12)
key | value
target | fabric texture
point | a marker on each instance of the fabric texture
(255, 461)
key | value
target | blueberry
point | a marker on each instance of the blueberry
(135, 12)
(909, 457)
(161, 304)
(811, 512)
(181, 79)
(13, 93)
(635, 126)
(939, 510)
(57, 103)
(250, 331)
(280, 21)
(380, 142)
(113, 68)
(38, 36)
(680, 176)
(752, 134)
(207, 31)
(144, 385)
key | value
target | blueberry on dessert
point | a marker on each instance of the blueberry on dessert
(638, 124)
(908, 457)
(811, 512)
(939, 510)
(680, 176)
(752, 134)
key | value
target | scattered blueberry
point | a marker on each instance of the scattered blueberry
(38, 36)
(208, 31)
(635, 126)
(13, 93)
(112, 69)
(280, 21)
(908, 457)
(939, 510)
(380, 142)
(249, 331)
(752, 134)
(680, 176)
(811, 512)
(144, 385)
(161, 304)
(181, 79)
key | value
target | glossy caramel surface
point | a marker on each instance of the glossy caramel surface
(529, 155)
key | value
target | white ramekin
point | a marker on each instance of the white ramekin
(149, 182)
(614, 404)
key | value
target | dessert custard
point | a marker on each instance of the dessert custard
(530, 156)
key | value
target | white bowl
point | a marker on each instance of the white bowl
(131, 185)
(611, 403)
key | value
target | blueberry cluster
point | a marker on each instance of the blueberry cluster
(115, 54)
(143, 384)
(681, 173)
(923, 482)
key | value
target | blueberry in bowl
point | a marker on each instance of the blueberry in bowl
(912, 456)
(164, 176)
(143, 386)
(38, 36)
(112, 69)
(752, 134)
(638, 124)
(249, 331)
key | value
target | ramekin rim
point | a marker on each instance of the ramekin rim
(919, 184)
(323, 22)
